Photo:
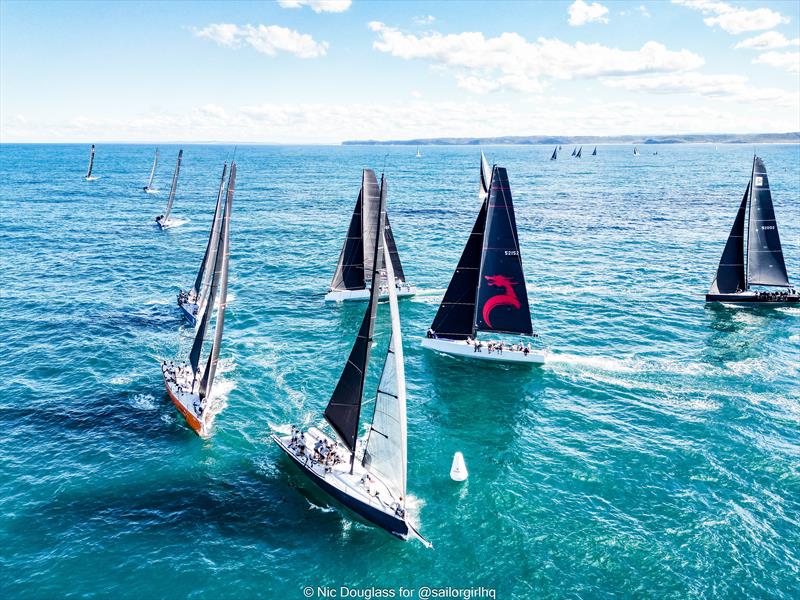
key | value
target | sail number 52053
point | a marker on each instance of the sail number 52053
(512, 252)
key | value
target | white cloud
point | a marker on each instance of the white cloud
(768, 41)
(318, 6)
(267, 39)
(426, 20)
(734, 19)
(789, 61)
(581, 13)
(509, 61)
(643, 11)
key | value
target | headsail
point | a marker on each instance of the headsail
(344, 407)
(223, 257)
(173, 187)
(349, 274)
(391, 246)
(730, 272)
(486, 175)
(204, 274)
(765, 264)
(91, 163)
(386, 450)
(152, 172)
(502, 302)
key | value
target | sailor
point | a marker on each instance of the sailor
(430, 333)
(301, 443)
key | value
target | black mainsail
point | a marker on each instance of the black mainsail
(574, 151)
(91, 163)
(730, 278)
(344, 407)
(594, 152)
(580, 151)
(173, 187)
(765, 264)
(502, 300)
(204, 274)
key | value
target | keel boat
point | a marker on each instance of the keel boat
(761, 262)
(189, 385)
(487, 292)
(193, 301)
(148, 189)
(352, 279)
(164, 221)
(366, 473)
(554, 156)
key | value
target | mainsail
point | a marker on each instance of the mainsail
(369, 218)
(594, 152)
(580, 151)
(344, 407)
(555, 153)
(730, 272)
(171, 198)
(152, 172)
(765, 264)
(91, 163)
(574, 151)
(386, 449)
(502, 302)
(201, 283)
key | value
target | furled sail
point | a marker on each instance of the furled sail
(204, 274)
(173, 187)
(223, 257)
(486, 175)
(344, 407)
(555, 153)
(91, 163)
(455, 318)
(386, 450)
(765, 264)
(149, 185)
(730, 272)
(502, 302)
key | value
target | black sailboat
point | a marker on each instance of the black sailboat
(149, 187)
(368, 478)
(554, 156)
(574, 151)
(192, 302)
(352, 279)
(189, 385)
(487, 292)
(88, 176)
(164, 221)
(580, 152)
(760, 262)
(594, 152)
(636, 151)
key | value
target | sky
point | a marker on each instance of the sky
(324, 71)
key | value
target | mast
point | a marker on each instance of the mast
(765, 263)
(344, 407)
(91, 163)
(204, 274)
(174, 186)
(502, 301)
(152, 171)
(223, 257)
(730, 277)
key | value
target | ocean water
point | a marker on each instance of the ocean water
(656, 455)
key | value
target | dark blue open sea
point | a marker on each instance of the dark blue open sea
(656, 455)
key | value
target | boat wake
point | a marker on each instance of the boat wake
(629, 364)
(93, 178)
(144, 402)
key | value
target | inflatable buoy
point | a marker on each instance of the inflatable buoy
(458, 472)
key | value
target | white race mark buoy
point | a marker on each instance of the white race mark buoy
(458, 472)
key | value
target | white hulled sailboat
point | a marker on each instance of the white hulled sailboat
(149, 189)
(367, 475)
(189, 385)
(164, 221)
(487, 292)
(352, 279)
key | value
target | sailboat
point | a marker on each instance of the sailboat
(189, 386)
(487, 292)
(418, 155)
(574, 151)
(594, 152)
(192, 302)
(555, 153)
(761, 262)
(367, 473)
(636, 151)
(352, 279)
(88, 176)
(164, 221)
(580, 152)
(149, 187)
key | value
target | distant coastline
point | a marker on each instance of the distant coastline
(699, 138)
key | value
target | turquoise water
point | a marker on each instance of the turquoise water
(656, 455)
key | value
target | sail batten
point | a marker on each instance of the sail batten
(765, 262)
(173, 187)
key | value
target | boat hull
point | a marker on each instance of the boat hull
(754, 298)
(188, 309)
(166, 224)
(391, 523)
(405, 291)
(183, 403)
(461, 349)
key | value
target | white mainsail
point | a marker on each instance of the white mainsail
(152, 172)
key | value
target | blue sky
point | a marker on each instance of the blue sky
(311, 71)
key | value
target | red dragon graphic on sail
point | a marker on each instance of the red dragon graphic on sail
(508, 298)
